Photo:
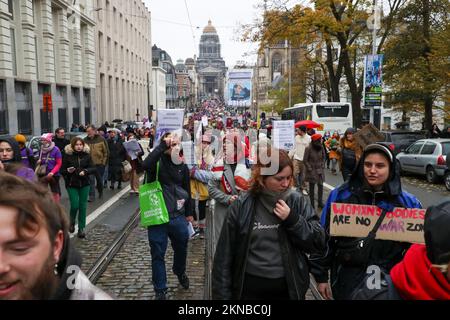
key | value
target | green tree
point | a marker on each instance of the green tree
(418, 59)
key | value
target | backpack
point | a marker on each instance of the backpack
(384, 291)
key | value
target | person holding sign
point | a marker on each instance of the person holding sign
(261, 253)
(174, 179)
(376, 182)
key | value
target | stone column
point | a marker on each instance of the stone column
(48, 42)
(63, 53)
(28, 40)
(6, 66)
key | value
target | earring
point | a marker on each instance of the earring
(55, 271)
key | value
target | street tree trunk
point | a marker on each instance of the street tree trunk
(428, 98)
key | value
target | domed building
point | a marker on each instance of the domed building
(210, 65)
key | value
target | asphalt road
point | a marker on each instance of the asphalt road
(428, 194)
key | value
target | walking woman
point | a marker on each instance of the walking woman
(50, 158)
(261, 253)
(376, 181)
(76, 168)
(349, 153)
(10, 160)
(174, 179)
(315, 168)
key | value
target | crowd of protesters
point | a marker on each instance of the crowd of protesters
(268, 236)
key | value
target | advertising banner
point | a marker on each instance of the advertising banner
(240, 88)
(373, 80)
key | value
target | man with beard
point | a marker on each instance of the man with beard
(37, 261)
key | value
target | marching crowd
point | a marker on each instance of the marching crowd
(268, 237)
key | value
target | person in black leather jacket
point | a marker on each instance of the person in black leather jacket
(376, 181)
(76, 168)
(261, 252)
(175, 182)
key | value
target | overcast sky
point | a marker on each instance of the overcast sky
(171, 30)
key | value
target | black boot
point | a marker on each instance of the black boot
(160, 295)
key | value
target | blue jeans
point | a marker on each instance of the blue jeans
(177, 231)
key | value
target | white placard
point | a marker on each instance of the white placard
(188, 152)
(283, 134)
(133, 148)
(205, 121)
(169, 120)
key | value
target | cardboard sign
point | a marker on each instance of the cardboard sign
(354, 220)
(368, 135)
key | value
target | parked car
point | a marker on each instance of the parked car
(426, 157)
(400, 140)
(447, 173)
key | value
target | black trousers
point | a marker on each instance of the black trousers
(319, 193)
(258, 288)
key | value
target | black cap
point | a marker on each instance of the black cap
(437, 233)
(303, 128)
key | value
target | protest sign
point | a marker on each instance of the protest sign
(355, 220)
(133, 148)
(169, 120)
(205, 121)
(284, 134)
(369, 134)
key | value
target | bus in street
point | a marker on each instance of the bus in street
(333, 116)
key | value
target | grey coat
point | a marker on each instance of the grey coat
(221, 199)
(314, 161)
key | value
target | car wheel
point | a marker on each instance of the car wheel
(447, 180)
(431, 175)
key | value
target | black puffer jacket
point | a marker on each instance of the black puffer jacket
(346, 272)
(301, 233)
(174, 179)
(81, 161)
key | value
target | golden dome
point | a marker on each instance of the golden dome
(209, 28)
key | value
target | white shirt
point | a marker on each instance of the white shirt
(301, 143)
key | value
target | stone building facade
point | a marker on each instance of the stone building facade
(124, 59)
(210, 65)
(47, 47)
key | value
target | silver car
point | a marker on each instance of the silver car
(425, 157)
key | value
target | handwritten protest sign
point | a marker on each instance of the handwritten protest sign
(354, 220)
(284, 134)
(367, 135)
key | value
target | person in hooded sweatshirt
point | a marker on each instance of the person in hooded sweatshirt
(26, 153)
(11, 159)
(37, 259)
(376, 182)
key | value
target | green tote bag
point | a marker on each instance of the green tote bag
(152, 204)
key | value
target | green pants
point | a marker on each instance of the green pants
(78, 204)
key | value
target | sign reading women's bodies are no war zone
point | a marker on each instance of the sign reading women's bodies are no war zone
(354, 220)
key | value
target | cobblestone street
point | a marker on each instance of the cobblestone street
(128, 277)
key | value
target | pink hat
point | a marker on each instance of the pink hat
(47, 137)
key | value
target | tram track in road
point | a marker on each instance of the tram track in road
(102, 263)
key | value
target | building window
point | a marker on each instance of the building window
(277, 67)
(100, 45)
(11, 7)
(387, 123)
(13, 52)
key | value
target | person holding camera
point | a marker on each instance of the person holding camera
(376, 181)
(76, 168)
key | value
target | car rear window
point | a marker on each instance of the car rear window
(412, 137)
(445, 148)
